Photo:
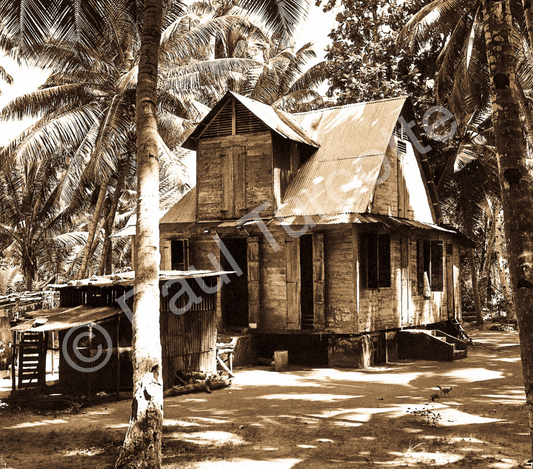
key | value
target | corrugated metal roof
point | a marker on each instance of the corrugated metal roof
(127, 278)
(57, 319)
(340, 177)
(184, 211)
(341, 218)
(392, 223)
(280, 122)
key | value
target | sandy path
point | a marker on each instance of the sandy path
(312, 418)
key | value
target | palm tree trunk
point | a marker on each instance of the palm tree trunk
(88, 248)
(514, 178)
(110, 220)
(469, 231)
(485, 270)
(502, 269)
(142, 445)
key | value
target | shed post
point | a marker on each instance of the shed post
(252, 252)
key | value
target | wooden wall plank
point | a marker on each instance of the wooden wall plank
(356, 278)
(227, 182)
(239, 161)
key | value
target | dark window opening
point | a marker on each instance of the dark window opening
(306, 287)
(235, 293)
(430, 265)
(374, 259)
(379, 352)
(179, 254)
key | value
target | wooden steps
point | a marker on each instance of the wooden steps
(423, 344)
(31, 352)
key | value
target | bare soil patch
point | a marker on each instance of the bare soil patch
(310, 418)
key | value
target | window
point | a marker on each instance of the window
(374, 259)
(179, 251)
(430, 265)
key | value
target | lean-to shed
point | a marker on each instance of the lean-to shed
(95, 330)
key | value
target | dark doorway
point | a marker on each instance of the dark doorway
(235, 293)
(306, 275)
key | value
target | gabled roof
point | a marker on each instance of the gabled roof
(341, 176)
(184, 211)
(278, 121)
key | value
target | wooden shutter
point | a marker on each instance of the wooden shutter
(363, 264)
(384, 263)
(239, 161)
(233, 182)
(292, 255)
(252, 251)
(420, 266)
(318, 281)
(437, 266)
(166, 254)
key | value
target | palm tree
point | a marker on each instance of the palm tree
(283, 79)
(142, 446)
(33, 222)
(89, 103)
(500, 18)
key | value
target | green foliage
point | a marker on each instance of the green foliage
(364, 62)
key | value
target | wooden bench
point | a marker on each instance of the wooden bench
(225, 356)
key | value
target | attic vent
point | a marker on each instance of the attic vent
(402, 146)
(220, 126)
(399, 131)
(248, 122)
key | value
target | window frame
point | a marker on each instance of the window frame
(375, 260)
(185, 253)
(430, 257)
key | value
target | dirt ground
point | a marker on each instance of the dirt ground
(310, 418)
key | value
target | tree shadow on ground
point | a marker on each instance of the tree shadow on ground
(316, 418)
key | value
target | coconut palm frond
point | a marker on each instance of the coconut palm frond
(457, 46)
(6, 76)
(439, 17)
(281, 16)
(48, 134)
(41, 102)
(299, 101)
(76, 238)
(312, 78)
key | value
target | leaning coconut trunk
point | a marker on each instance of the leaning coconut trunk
(515, 181)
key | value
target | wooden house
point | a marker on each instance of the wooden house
(330, 220)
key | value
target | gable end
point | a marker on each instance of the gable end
(223, 123)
